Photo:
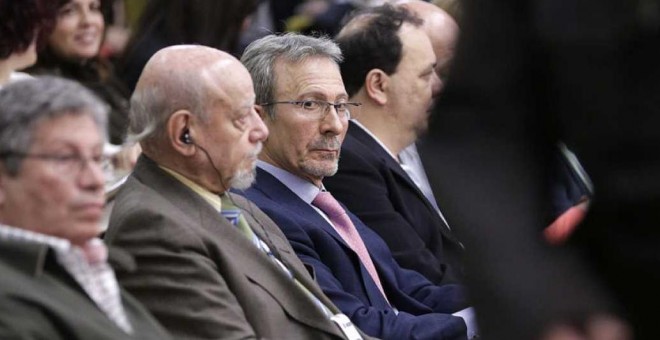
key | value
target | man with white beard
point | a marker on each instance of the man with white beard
(209, 264)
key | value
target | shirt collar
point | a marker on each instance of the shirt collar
(304, 189)
(358, 124)
(10, 233)
(93, 251)
(213, 199)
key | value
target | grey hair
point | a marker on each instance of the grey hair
(26, 103)
(260, 56)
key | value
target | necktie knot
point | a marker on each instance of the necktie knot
(328, 204)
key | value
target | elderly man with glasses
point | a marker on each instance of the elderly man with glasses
(303, 102)
(55, 281)
(210, 265)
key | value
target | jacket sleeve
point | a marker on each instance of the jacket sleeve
(177, 281)
(380, 323)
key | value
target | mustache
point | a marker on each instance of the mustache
(87, 199)
(256, 150)
(331, 143)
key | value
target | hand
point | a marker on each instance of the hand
(602, 327)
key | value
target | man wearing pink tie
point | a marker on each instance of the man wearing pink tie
(303, 102)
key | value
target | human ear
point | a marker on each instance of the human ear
(376, 84)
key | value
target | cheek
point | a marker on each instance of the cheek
(422, 90)
(99, 21)
(300, 141)
(44, 205)
(284, 139)
(59, 40)
(64, 28)
(54, 193)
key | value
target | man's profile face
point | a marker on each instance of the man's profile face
(303, 145)
(415, 83)
(234, 133)
(53, 195)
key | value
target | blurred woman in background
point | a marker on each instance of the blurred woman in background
(72, 51)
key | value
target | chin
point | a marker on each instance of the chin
(90, 226)
(86, 53)
(243, 179)
(320, 170)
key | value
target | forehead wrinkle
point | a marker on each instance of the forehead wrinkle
(309, 83)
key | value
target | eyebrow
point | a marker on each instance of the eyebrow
(318, 94)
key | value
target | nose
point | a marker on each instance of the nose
(332, 123)
(259, 131)
(89, 16)
(91, 176)
(84, 15)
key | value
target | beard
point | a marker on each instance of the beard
(320, 169)
(328, 165)
(244, 178)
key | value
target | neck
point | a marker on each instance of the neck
(263, 156)
(383, 125)
(201, 173)
(5, 71)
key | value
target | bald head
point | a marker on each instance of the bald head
(180, 78)
(194, 107)
(440, 27)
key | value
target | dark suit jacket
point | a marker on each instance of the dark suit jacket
(343, 278)
(39, 299)
(375, 188)
(200, 276)
(525, 75)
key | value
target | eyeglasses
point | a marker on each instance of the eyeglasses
(68, 164)
(318, 109)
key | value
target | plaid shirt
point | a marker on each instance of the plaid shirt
(88, 265)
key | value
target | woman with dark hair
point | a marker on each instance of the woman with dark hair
(20, 24)
(72, 51)
(164, 23)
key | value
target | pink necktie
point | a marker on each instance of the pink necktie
(344, 226)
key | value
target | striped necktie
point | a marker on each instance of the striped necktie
(234, 216)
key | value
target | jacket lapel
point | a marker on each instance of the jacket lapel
(265, 273)
(360, 136)
(277, 191)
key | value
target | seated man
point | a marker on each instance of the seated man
(55, 282)
(388, 66)
(303, 102)
(209, 264)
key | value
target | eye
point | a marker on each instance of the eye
(310, 105)
(68, 162)
(341, 107)
(66, 158)
(67, 9)
(99, 158)
(95, 6)
(241, 122)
